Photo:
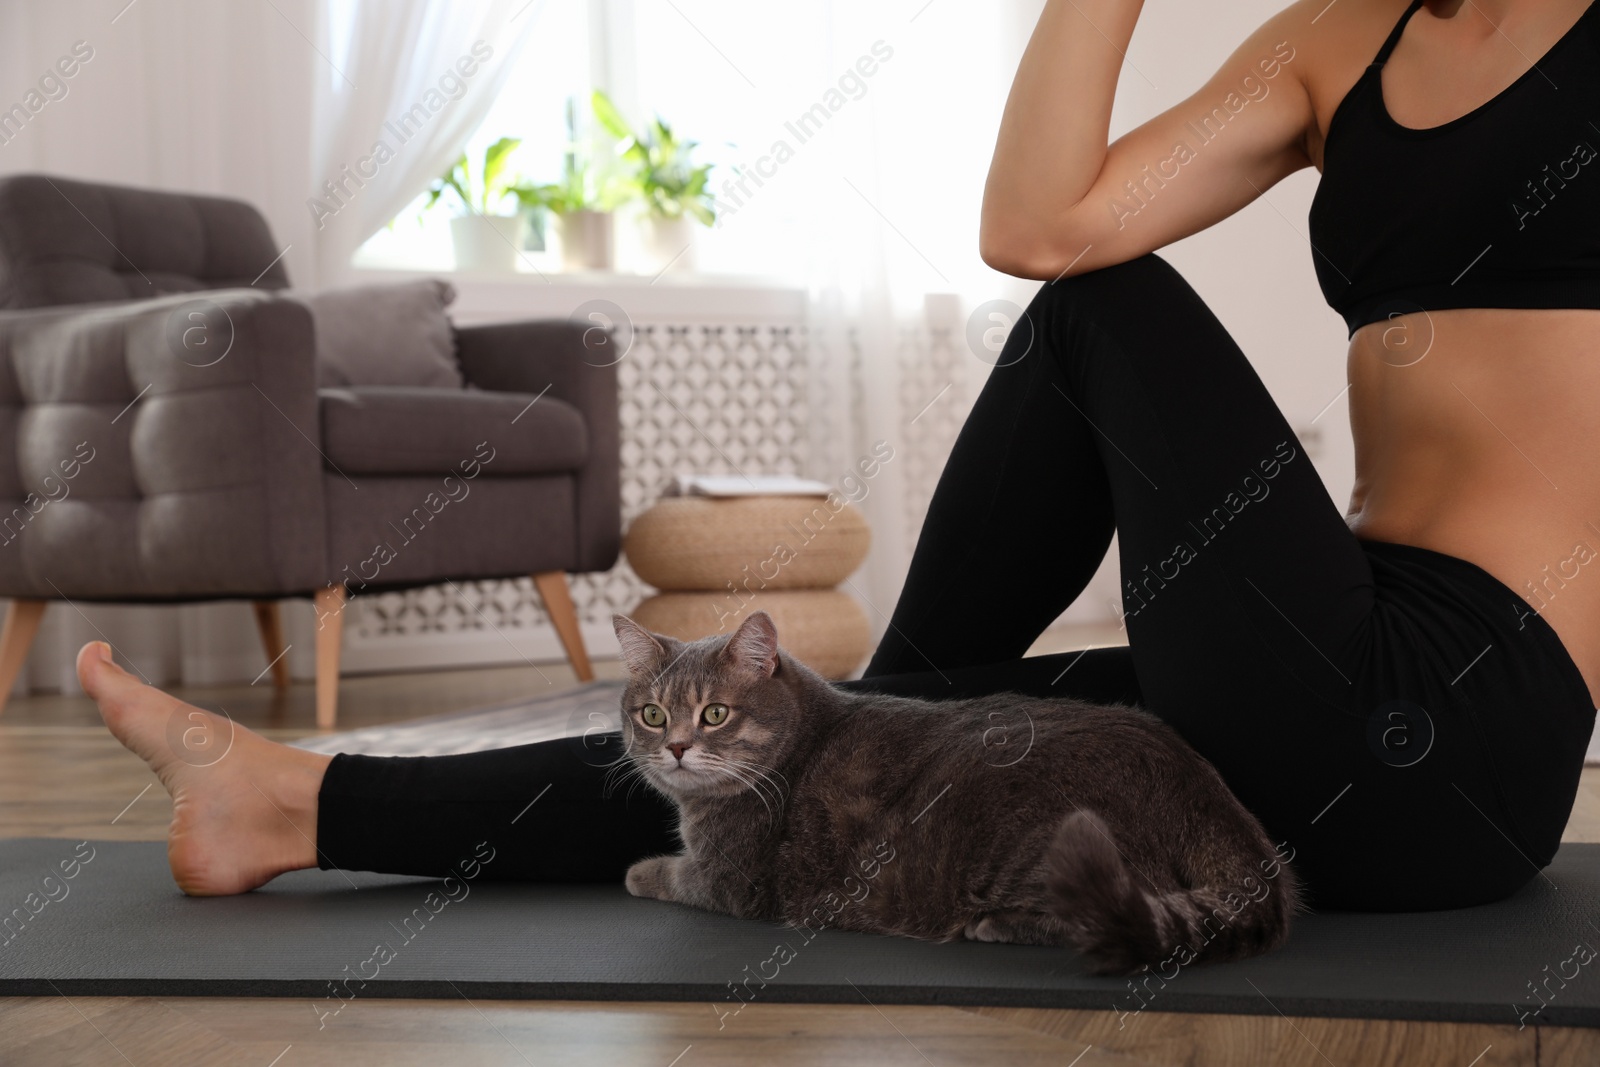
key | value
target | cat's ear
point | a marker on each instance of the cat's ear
(754, 645)
(641, 650)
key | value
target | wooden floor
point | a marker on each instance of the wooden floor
(62, 775)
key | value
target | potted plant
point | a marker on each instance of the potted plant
(582, 203)
(484, 238)
(665, 178)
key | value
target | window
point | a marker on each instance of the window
(707, 67)
(532, 106)
(888, 120)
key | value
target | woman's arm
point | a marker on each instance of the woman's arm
(1059, 201)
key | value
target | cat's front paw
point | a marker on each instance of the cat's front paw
(651, 878)
(987, 928)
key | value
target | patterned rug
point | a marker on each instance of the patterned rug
(572, 712)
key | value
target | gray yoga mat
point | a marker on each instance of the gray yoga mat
(120, 927)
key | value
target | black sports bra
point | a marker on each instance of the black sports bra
(1499, 208)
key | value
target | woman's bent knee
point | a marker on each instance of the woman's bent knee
(1143, 306)
(1137, 282)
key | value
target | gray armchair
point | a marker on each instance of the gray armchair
(131, 471)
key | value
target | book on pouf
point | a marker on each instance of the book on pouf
(736, 485)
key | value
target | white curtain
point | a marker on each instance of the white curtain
(407, 82)
(187, 95)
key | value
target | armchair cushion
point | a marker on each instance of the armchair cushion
(402, 430)
(386, 335)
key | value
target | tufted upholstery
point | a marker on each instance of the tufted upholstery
(180, 481)
(72, 242)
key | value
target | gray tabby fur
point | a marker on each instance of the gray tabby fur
(1002, 818)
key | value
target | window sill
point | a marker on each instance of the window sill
(499, 296)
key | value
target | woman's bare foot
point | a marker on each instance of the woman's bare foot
(244, 809)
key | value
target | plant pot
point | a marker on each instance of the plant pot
(487, 242)
(669, 245)
(534, 239)
(585, 240)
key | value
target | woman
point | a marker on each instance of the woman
(1402, 694)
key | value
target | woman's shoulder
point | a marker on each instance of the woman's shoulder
(1334, 43)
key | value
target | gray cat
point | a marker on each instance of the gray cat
(1003, 818)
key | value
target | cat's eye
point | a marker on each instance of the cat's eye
(715, 714)
(653, 715)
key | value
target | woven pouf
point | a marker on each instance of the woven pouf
(717, 560)
(691, 542)
(822, 628)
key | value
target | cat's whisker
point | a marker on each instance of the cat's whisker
(634, 784)
(772, 775)
(759, 784)
(739, 777)
(759, 778)
(722, 765)
(774, 772)
(780, 794)
(616, 771)
(619, 772)
(631, 768)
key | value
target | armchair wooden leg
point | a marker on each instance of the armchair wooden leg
(330, 604)
(22, 623)
(552, 586)
(272, 641)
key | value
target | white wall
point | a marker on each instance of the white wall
(192, 95)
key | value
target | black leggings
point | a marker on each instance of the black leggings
(1397, 717)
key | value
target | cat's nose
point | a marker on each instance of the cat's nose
(678, 749)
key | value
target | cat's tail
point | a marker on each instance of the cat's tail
(1122, 921)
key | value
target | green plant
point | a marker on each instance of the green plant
(481, 192)
(663, 173)
(582, 187)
